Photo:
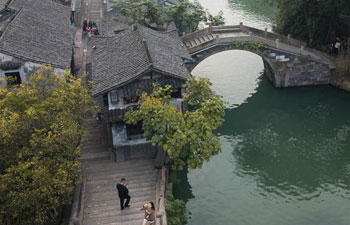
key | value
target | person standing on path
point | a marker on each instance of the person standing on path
(85, 24)
(123, 193)
(150, 212)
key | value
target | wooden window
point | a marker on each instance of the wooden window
(134, 131)
(114, 97)
(13, 78)
(176, 93)
(105, 100)
(130, 100)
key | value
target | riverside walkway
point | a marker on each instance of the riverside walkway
(287, 61)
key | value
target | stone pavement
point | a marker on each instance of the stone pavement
(101, 202)
(91, 10)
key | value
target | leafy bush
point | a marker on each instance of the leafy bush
(176, 211)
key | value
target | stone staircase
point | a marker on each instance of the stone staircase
(93, 146)
(200, 40)
(101, 200)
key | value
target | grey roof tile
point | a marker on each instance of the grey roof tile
(40, 32)
(120, 58)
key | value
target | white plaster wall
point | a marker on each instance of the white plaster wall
(5, 58)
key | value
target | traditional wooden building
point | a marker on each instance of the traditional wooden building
(34, 33)
(127, 60)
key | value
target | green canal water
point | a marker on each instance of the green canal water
(285, 152)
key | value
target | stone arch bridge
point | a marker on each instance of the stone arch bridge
(287, 61)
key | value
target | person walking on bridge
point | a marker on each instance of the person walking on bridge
(123, 193)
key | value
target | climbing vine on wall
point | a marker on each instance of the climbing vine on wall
(255, 47)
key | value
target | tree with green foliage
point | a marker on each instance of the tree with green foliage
(145, 12)
(186, 14)
(176, 211)
(316, 22)
(41, 128)
(217, 20)
(130, 9)
(188, 136)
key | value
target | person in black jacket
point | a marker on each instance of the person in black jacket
(123, 193)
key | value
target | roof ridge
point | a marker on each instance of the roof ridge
(144, 43)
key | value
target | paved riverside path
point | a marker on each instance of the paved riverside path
(101, 202)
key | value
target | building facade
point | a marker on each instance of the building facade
(127, 61)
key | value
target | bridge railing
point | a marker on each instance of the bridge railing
(273, 36)
(196, 34)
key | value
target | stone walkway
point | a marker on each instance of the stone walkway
(101, 198)
(101, 202)
(101, 174)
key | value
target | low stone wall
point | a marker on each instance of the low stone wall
(303, 74)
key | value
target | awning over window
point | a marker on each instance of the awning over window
(136, 88)
(9, 65)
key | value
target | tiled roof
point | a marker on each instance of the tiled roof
(123, 57)
(117, 59)
(3, 3)
(166, 51)
(40, 32)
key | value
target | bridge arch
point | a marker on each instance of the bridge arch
(255, 48)
(286, 61)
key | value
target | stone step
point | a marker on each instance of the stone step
(226, 30)
(114, 195)
(95, 174)
(193, 43)
(206, 38)
(134, 206)
(92, 137)
(90, 149)
(188, 44)
(116, 211)
(136, 221)
(102, 213)
(113, 191)
(94, 156)
(103, 166)
(117, 175)
(114, 218)
(129, 180)
(92, 142)
(111, 202)
(131, 222)
(132, 187)
(198, 42)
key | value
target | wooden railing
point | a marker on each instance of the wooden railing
(161, 197)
